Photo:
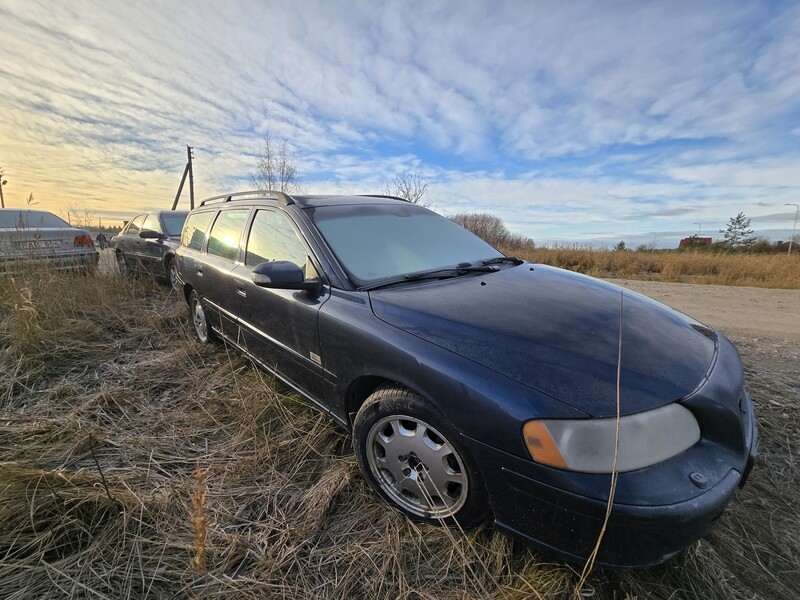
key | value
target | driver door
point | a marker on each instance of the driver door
(280, 327)
(152, 250)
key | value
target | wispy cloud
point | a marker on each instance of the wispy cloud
(557, 117)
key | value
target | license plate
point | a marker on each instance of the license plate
(34, 244)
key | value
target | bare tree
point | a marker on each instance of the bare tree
(487, 227)
(78, 213)
(493, 231)
(410, 186)
(275, 169)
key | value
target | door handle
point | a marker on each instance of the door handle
(199, 270)
(241, 291)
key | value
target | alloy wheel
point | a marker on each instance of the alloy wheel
(417, 467)
(199, 320)
(172, 274)
(122, 264)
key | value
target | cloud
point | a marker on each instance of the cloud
(774, 217)
(561, 118)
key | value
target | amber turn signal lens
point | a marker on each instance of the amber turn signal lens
(541, 445)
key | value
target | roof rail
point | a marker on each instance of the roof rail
(280, 196)
(383, 196)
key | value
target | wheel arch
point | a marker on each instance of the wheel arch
(362, 388)
(472, 509)
(187, 292)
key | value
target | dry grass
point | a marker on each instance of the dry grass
(757, 270)
(136, 463)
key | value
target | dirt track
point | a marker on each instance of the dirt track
(740, 312)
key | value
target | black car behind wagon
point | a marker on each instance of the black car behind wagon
(148, 242)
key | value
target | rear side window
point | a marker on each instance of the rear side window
(194, 232)
(272, 237)
(223, 240)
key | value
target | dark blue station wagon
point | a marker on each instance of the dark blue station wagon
(476, 385)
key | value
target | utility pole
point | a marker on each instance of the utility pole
(794, 227)
(2, 183)
(189, 157)
(187, 170)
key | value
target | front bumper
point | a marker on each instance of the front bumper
(658, 511)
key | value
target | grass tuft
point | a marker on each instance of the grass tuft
(136, 463)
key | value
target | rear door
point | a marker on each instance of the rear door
(193, 243)
(280, 326)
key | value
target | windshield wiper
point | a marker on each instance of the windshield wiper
(459, 269)
(443, 273)
(502, 259)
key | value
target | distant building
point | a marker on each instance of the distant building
(695, 240)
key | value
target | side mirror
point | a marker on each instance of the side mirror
(150, 234)
(282, 275)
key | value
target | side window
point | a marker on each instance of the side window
(223, 240)
(272, 237)
(194, 231)
(151, 222)
(136, 225)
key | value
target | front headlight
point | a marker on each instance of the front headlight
(588, 445)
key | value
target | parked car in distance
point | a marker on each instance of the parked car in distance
(477, 385)
(148, 243)
(38, 237)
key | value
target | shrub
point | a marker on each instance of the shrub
(492, 230)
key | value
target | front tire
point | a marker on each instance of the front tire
(412, 457)
(123, 265)
(199, 321)
(172, 274)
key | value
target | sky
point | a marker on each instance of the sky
(587, 122)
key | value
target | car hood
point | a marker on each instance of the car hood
(558, 332)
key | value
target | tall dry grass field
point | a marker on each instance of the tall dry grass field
(757, 270)
(135, 463)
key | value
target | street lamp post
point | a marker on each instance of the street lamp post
(2, 183)
(794, 227)
(699, 228)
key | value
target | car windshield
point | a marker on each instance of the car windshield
(29, 219)
(379, 241)
(173, 221)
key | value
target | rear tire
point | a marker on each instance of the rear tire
(199, 321)
(413, 458)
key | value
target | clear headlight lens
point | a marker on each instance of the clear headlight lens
(588, 445)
